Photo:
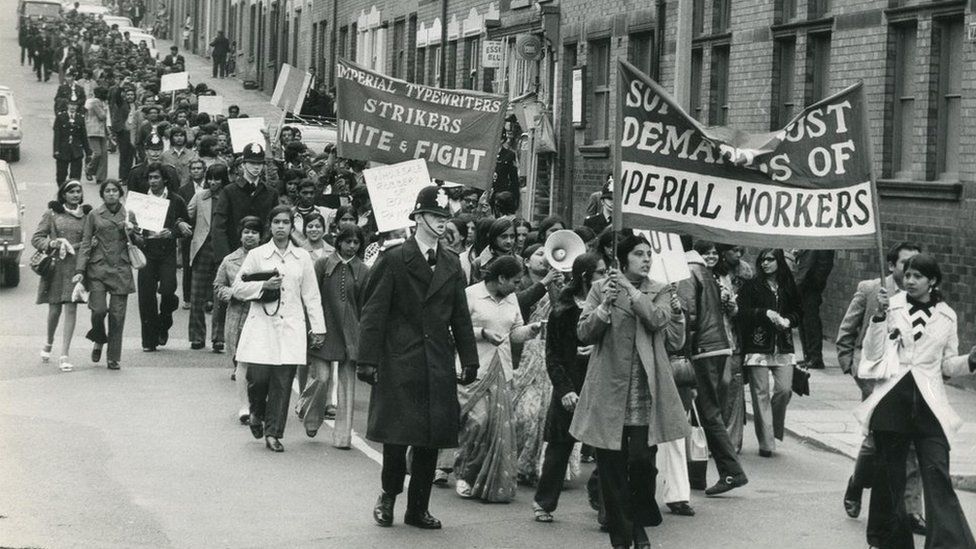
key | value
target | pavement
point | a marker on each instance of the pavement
(153, 456)
(825, 418)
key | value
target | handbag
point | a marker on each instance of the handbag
(137, 259)
(43, 261)
(267, 296)
(696, 445)
(683, 372)
(801, 381)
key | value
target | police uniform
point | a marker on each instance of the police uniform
(70, 145)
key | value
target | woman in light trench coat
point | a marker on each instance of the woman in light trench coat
(629, 402)
(273, 342)
(909, 346)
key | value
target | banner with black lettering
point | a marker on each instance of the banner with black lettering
(383, 119)
(806, 186)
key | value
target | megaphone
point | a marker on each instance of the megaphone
(562, 248)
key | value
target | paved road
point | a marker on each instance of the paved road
(152, 456)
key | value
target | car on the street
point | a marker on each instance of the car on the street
(11, 228)
(138, 35)
(11, 126)
(89, 9)
(37, 9)
(317, 131)
(117, 20)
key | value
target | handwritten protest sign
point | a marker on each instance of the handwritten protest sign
(150, 211)
(392, 191)
(210, 104)
(174, 81)
(291, 88)
(388, 121)
(805, 186)
(668, 263)
(244, 131)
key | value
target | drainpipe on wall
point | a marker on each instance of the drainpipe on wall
(332, 39)
(443, 67)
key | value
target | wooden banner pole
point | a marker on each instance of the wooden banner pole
(879, 240)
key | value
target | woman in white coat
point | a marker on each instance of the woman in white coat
(273, 340)
(909, 346)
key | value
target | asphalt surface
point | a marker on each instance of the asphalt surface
(153, 456)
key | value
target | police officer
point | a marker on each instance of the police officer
(602, 218)
(70, 143)
(137, 178)
(414, 319)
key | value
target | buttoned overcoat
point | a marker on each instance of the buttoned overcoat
(413, 320)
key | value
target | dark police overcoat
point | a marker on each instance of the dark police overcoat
(411, 324)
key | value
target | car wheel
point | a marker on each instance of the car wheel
(11, 274)
(15, 154)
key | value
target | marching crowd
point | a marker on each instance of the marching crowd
(498, 352)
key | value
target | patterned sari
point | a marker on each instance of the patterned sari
(486, 453)
(532, 392)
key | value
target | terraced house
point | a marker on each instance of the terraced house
(754, 64)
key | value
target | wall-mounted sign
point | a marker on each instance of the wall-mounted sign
(577, 91)
(491, 54)
(529, 47)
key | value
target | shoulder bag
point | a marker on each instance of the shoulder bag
(696, 444)
(137, 259)
(267, 296)
(42, 261)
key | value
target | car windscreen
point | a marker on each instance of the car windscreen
(4, 106)
(38, 9)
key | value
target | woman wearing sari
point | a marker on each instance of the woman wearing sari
(486, 458)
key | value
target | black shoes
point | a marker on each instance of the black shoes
(218, 347)
(257, 428)
(273, 444)
(422, 520)
(727, 483)
(96, 353)
(766, 453)
(196, 345)
(383, 512)
(163, 339)
(310, 433)
(149, 349)
(852, 499)
(917, 524)
(113, 365)
(682, 508)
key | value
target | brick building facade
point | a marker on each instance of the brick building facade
(754, 64)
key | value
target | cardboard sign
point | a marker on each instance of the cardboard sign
(806, 186)
(386, 120)
(392, 191)
(669, 263)
(210, 104)
(174, 82)
(150, 211)
(491, 54)
(291, 88)
(244, 131)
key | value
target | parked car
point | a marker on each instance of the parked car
(11, 228)
(317, 131)
(89, 9)
(11, 132)
(136, 37)
(117, 20)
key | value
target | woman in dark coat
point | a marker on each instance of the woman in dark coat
(103, 265)
(59, 233)
(342, 280)
(566, 360)
(769, 309)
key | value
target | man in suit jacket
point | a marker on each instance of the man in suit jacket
(850, 335)
(415, 316)
(70, 143)
(159, 274)
(174, 58)
(812, 270)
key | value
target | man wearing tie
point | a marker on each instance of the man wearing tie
(70, 143)
(415, 317)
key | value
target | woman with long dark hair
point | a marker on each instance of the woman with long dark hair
(279, 280)
(500, 242)
(910, 346)
(566, 360)
(629, 403)
(104, 267)
(769, 309)
(60, 233)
